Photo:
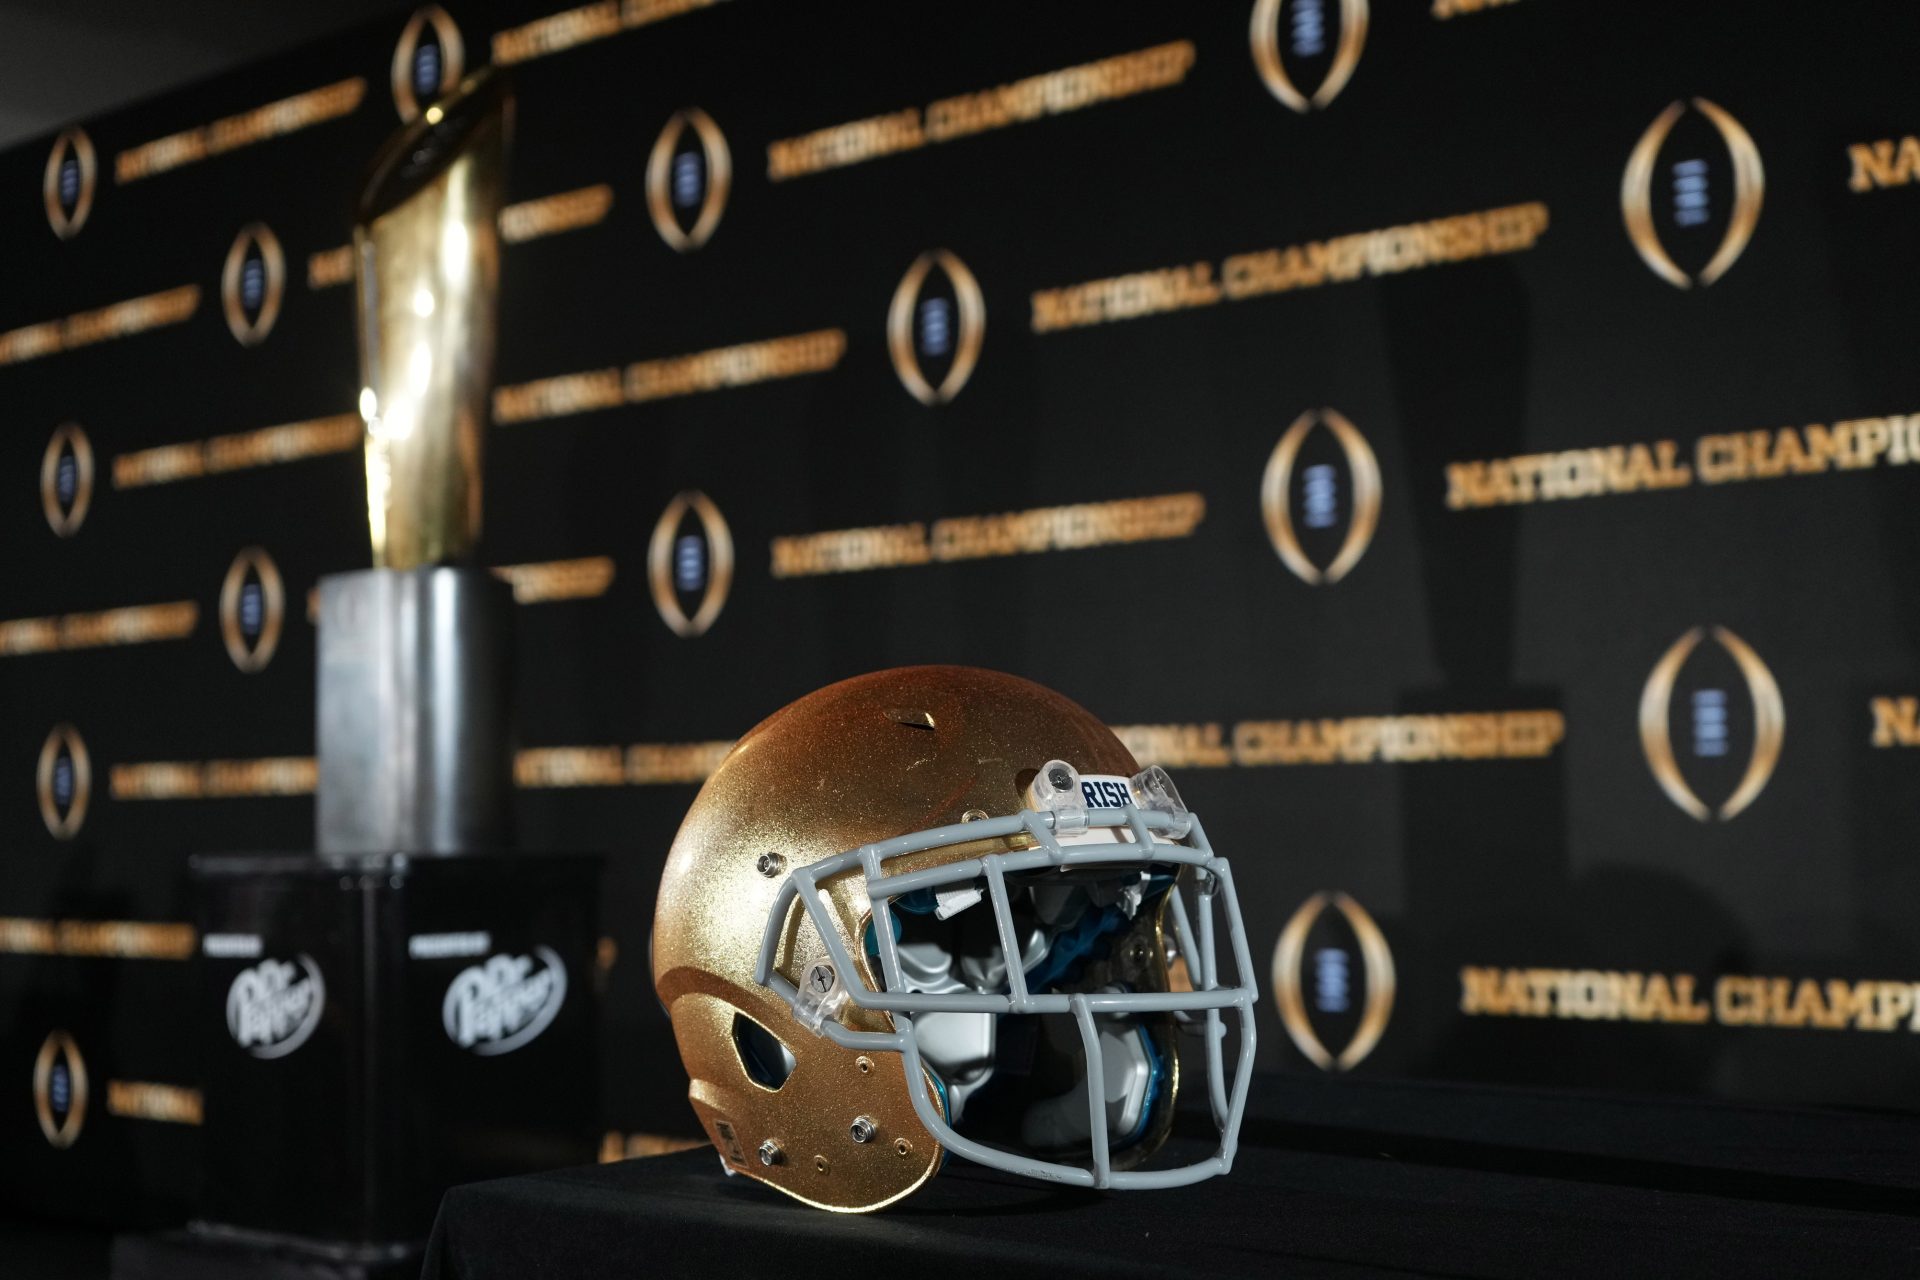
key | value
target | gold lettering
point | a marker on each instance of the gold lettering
(1512, 735)
(1871, 439)
(1095, 524)
(573, 27)
(120, 939)
(557, 397)
(1481, 991)
(1125, 297)
(654, 764)
(166, 1103)
(330, 267)
(122, 319)
(1269, 271)
(1808, 1006)
(1052, 93)
(568, 211)
(1176, 746)
(1687, 1006)
(569, 767)
(1735, 1002)
(213, 779)
(558, 579)
(735, 366)
(1896, 721)
(556, 32)
(850, 550)
(276, 119)
(1720, 458)
(1574, 473)
(1885, 163)
(136, 624)
(259, 448)
(1738, 1000)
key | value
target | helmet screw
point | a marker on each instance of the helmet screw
(864, 1063)
(1059, 779)
(862, 1129)
(901, 1147)
(973, 815)
(1137, 954)
(769, 864)
(770, 1153)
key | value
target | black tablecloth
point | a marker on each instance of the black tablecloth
(1331, 1179)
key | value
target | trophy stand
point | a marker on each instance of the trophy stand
(411, 1005)
(412, 711)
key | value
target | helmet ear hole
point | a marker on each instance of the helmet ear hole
(766, 1061)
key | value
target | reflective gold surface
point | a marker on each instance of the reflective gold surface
(837, 769)
(427, 266)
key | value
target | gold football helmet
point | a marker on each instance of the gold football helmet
(935, 910)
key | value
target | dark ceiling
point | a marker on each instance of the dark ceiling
(64, 60)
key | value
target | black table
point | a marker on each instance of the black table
(1333, 1178)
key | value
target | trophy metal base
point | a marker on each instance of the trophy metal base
(413, 735)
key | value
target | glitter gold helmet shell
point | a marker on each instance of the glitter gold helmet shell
(874, 759)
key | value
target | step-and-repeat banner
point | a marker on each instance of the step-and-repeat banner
(1465, 441)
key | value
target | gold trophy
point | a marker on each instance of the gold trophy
(413, 690)
(316, 962)
(426, 249)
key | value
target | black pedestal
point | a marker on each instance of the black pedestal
(377, 1029)
(1332, 1179)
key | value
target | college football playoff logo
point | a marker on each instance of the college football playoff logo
(935, 327)
(428, 60)
(1308, 42)
(505, 1002)
(1333, 979)
(60, 1089)
(67, 186)
(690, 563)
(66, 479)
(252, 283)
(1321, 497)
(253, 605)
(1713, 724)
(1692, 193)
(688, 177)
(64, 782)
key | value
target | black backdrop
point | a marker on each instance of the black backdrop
(1539, 896)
